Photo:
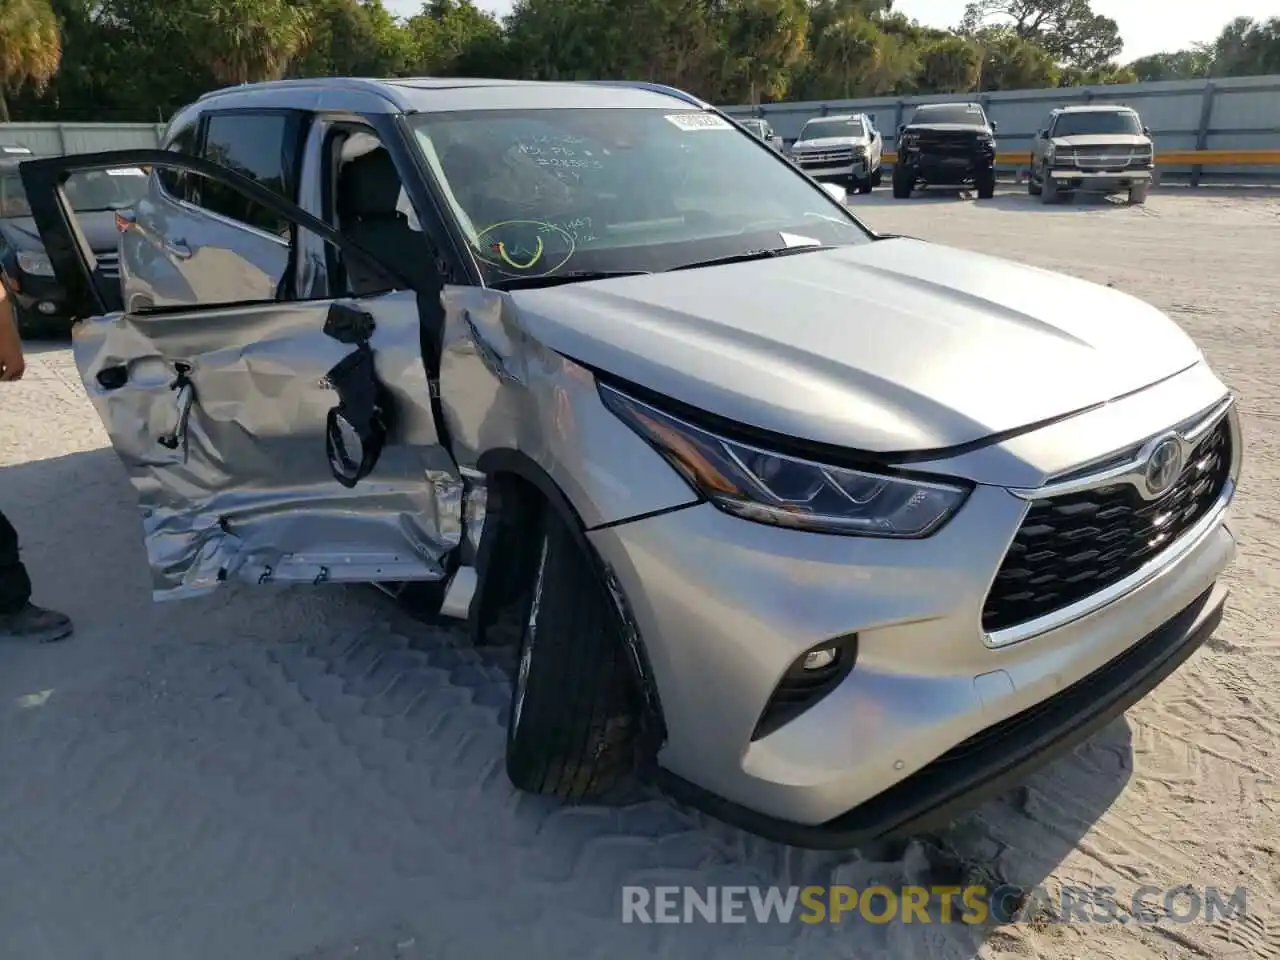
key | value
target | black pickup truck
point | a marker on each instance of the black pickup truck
(946, 144)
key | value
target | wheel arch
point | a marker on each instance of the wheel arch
(518, 489)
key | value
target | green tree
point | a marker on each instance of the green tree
(949, 65)
(246, 41)
(1247, 48)
(448, 34)
(1180, 65)
(844, 53)
(554, 39)
(1101, 76)
(30, 48)
(1011, 63)
(354, 38)
(766, 45)
(1068, 29)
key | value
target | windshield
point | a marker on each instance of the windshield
(87, 191)
(570, 192)
(1097, 122)
(965, 113)
(832, 127)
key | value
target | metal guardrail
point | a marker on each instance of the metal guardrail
(1169, 158)
(1227, 128)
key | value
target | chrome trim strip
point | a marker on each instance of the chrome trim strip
(1148, 573)
(1131, 470)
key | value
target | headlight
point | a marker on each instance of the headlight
(36, 264)
(785, 491)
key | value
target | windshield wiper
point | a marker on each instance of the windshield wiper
(755, 255)
(556, 279)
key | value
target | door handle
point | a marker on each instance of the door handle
(186, 391)
(178, 248)
(113, 378)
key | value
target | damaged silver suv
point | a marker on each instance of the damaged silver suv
(831, 532)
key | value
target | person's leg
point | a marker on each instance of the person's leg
(15, 585)
(20, 619)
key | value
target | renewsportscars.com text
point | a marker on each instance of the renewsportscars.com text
(937, 904)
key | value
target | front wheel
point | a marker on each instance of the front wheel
(903, 182)
(1138, 194)
(877, 177)
(863, 186)
(985, 182)
(573, 724)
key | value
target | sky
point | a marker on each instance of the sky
(1178, 24)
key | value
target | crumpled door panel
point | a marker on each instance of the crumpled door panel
(247, 491)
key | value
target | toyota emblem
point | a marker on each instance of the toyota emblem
(1163, 466)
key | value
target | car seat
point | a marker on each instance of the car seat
(368, 191)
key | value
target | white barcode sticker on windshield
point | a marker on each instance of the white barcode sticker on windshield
(699, 121)
(125, 172)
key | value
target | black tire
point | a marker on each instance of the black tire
(864, 187)
(903, 183)
(573, 723)
(34, 326)
(985, 181)
(877, 177)
(1033, 185)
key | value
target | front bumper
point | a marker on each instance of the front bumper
(996, 759)
(41, 304)
(858, 169)
(724, 606)
(1105, 181)
(944, 169)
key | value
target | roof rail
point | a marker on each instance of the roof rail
(652, 88)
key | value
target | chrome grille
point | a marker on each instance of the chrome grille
(822, 158)
(1069, 547)
(1106, 158)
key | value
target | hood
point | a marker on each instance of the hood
(947, 128)
(890, 346)
(826, 142)
(98, 227)
(1103, 140)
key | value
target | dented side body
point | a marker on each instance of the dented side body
(500, 389)
(247, 492)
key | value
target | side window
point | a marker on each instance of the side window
(181, 140)
(261, 146)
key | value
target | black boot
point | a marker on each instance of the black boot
(35, 624)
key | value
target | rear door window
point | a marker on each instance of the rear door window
(263, 146)
(184, 139)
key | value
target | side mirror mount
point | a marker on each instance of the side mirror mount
(902, 128)
(1146, 131)
(835, 192)
(995, 126)
(1044, 134)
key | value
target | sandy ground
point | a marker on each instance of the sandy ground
(305, 773)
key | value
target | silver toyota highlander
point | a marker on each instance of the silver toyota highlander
(833, 533)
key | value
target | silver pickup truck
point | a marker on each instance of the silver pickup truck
(1101, 148)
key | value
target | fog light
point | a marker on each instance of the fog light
(47, 308)
(817, 659)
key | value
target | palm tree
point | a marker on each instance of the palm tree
(30, 47)
(245, 41)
